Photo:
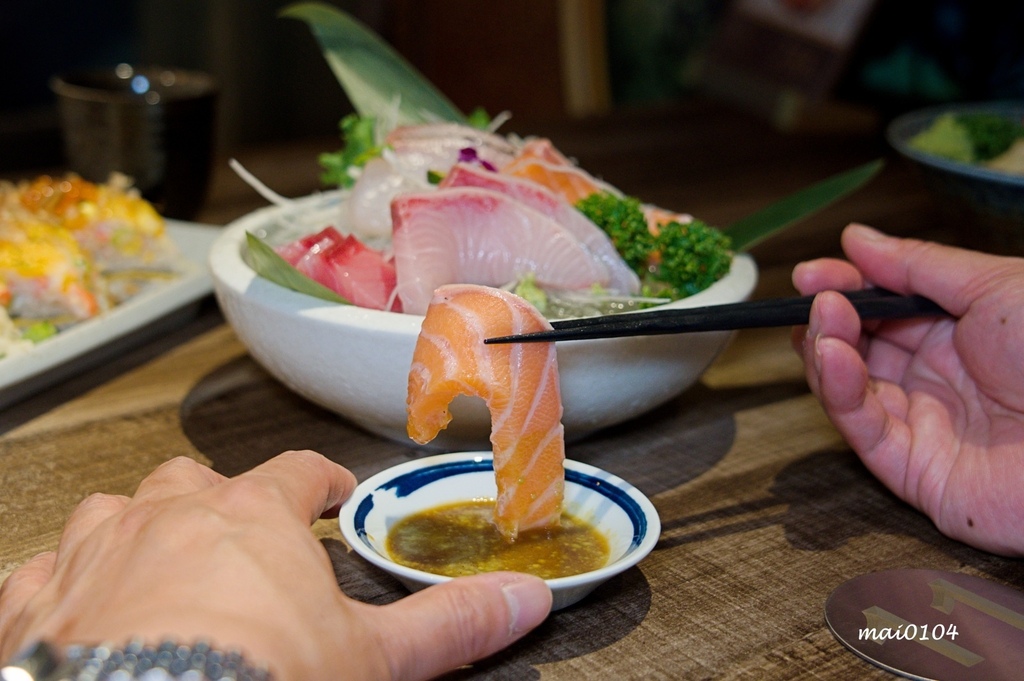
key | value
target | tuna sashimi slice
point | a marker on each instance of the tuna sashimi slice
(518, 382)
(478, 236)
(311, 244)
(342, 263)
(623, 278)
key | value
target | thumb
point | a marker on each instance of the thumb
(466, 619)
(952, 277)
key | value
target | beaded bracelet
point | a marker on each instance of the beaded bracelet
(169, 661)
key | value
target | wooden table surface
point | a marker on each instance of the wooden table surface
(764, 508)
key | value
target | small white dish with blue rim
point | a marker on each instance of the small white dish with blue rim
(619, 511)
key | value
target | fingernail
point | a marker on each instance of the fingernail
(529, 602)
(817, 353)
(812, 322)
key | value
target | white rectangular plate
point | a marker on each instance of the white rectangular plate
(53, 358)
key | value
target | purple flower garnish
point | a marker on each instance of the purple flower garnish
(469, 155)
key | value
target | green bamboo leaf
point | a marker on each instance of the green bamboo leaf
(755, 228)
(372, 73)
(270, 265)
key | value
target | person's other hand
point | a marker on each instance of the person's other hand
(197, 556)
(933, 406)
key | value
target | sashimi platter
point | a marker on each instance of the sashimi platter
(449, 203)
(329, 291)
(373, 299)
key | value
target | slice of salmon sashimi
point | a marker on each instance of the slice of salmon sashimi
(517, 381)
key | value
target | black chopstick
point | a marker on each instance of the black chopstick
(872, 303)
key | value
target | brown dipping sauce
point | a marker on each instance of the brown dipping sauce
(461, 539)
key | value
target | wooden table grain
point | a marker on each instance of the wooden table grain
(765, 510)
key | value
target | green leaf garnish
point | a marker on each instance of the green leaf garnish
(270, 265)
(479, 118)
(374, 76)
(755, 228)
(358, 146)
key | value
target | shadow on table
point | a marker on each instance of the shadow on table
(833, 498)
(239, 416)
(679, 441)
(825, 500)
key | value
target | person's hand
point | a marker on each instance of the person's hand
(934, 407)
(196, 556)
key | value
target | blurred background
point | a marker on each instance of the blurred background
(540, 59)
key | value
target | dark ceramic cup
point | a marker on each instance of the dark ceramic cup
(154, 124)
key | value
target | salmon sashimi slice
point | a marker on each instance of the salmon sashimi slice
(623, 278)
(517, 381)
(540, 162)
(478, 236)
(570, 182)
(542, 149)
(656, 217)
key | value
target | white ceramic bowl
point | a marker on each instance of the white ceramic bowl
(626, 518)
(355, 361)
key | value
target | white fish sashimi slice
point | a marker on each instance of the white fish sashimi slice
(369, 202)
(411, 152)
(437, 146)
(622, 278)
(478, 236)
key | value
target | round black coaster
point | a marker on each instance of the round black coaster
(931, 624)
